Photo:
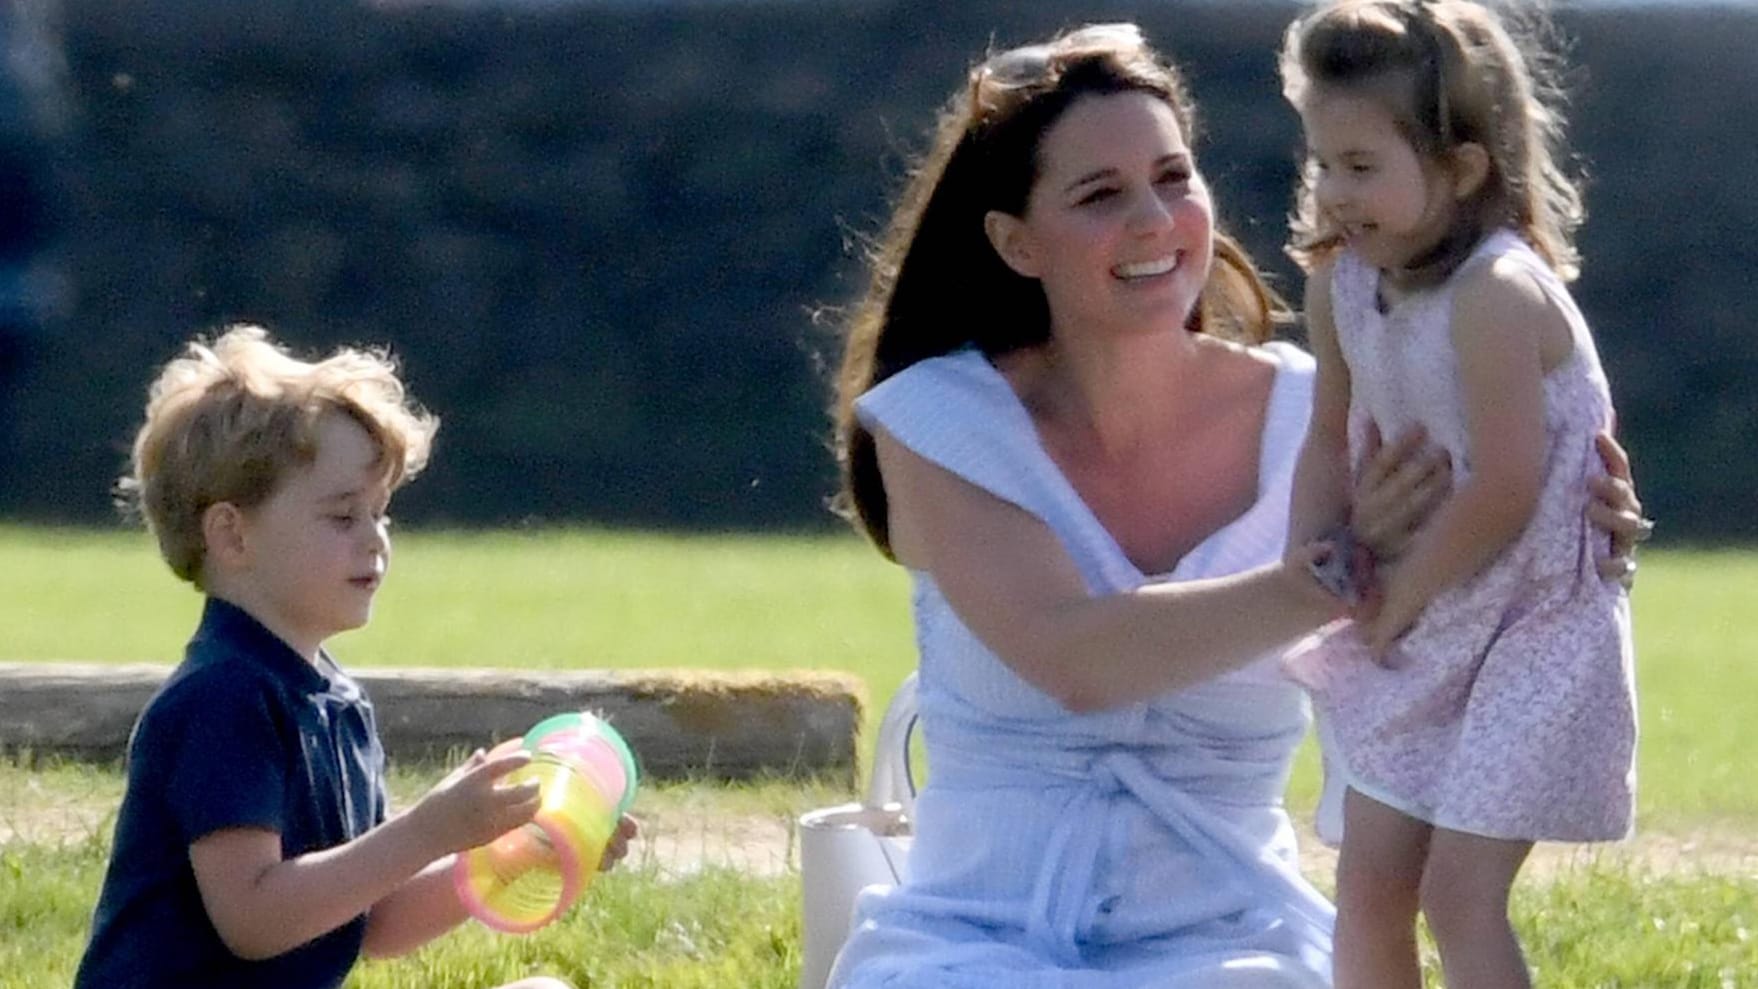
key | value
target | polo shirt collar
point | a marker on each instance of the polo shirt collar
(228, 630)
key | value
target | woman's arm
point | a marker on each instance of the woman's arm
(1501, 319)
(1617, 511)
(1012, 583)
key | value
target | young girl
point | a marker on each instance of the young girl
(1482, 698)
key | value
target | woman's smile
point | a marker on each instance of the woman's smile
(1140, 270)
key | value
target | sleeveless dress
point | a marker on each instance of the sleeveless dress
(1140, 846)
(1511, 712)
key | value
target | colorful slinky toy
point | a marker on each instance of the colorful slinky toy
(531, 875)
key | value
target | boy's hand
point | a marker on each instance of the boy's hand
(470, 808)
(618, 846)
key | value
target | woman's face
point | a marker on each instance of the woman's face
(1118, 227)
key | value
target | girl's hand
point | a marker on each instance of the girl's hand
(618, 846)
(1617, 511)
(1396, 491)
(470, 808)
(1391, 618)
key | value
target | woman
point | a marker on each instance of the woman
(1059, 411)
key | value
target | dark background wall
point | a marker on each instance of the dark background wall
(597, 233)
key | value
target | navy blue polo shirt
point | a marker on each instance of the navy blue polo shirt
(244, 734)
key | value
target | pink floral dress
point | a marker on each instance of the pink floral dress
(1510, 711)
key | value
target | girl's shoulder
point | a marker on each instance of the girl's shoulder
(1504, 264)
(1507, 283)
(1501, 254)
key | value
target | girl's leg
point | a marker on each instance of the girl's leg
(1379, 878)
(1465, 896)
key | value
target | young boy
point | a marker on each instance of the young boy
(253, 846)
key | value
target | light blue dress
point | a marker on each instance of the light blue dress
(1141, 846)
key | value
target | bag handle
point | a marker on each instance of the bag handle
(894, 782)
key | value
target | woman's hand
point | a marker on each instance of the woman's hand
(1617, 511)
(1396, 491)
(1401, 484)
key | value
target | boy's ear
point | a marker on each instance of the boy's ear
(1007, 235)
(222, 533)
(1470, 169)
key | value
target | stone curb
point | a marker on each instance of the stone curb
(681, 723)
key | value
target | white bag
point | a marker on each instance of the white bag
(847, 848)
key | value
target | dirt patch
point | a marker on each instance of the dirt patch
(684, 842)
(761, 846)
(31, 813)
(1724, 852)
(685, 839)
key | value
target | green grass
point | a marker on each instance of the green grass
(1697, 686)
(587, 598)
(1607, 927)
(712, 929)
(581, 598)
(545, 599)
(1587, 929)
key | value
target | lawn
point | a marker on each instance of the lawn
(545, 599)
(589, 598)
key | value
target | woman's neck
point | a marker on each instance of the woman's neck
(1116, 392)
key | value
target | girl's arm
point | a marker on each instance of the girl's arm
(1402, 482)
(1503, 331)
(263, 905)
(1321, 478)
(1010, 581)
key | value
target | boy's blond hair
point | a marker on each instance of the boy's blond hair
(230, 418)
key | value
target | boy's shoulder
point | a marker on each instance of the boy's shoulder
(208, 680)
(231, 664)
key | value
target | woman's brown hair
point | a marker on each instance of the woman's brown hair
(936, 284)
